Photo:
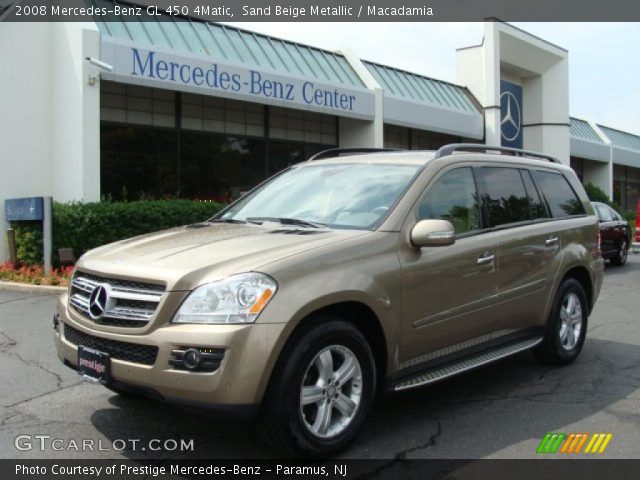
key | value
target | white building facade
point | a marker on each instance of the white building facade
(205, 111)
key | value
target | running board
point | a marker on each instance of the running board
(451, 369)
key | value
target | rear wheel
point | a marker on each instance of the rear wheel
(320, 392)
(567, 325)
(621, 256)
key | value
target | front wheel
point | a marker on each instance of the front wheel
(567, 325)
(621, 257)
(321, 390)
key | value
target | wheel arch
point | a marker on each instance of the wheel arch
(356, 312)
(582, 275)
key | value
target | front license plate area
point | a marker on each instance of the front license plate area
(93, 365)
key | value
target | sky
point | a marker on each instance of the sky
(604, 58)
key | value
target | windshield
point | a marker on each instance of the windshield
(337, 196)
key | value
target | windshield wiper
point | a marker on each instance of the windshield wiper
(288, 221)
(226, 220)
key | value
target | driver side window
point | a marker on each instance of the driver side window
(454, 198)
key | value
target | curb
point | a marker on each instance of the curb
(26, 287)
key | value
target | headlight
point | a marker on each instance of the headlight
(236, 299)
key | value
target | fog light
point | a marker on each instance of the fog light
(191, 359)
(196, 359)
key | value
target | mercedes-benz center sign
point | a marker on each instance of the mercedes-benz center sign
(198, 74)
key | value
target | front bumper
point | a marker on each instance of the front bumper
(239, 381)
(635, 247)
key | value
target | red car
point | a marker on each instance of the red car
(615, 234)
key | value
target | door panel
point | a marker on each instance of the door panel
(448, 292)
(527, 262)
(448, 296)
(527, 244)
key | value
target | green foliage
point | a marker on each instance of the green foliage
(83, 226)
(596, 194)
(28, 242)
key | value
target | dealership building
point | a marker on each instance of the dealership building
(188, 108)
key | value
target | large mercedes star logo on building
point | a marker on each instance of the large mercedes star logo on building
(98, 301)
(511, 120)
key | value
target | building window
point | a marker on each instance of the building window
(301, 126)
(132, 104)
(396, 137)
(423, 140)
(402, 138)
(219, 167)
(577, 164)
(212, 114)
(137, 162)
(626, 186)
(217, 150)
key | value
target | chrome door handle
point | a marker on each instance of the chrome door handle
(486, 259)
(551, 241)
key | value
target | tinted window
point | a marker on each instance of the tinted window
(454, 198)
(562, 200)
(537, 208)
(505, 199)
(604, 214)
(615, 215)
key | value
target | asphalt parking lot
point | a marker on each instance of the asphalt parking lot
(499, 411)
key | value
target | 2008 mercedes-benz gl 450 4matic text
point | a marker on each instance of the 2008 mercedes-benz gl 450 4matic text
(354, 273)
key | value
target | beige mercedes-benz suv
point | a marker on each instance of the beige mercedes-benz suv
(355, 273)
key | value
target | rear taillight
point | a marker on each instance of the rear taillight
(637, 235)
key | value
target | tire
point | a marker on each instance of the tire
(567, 325)
(286, 424)
(621, 257)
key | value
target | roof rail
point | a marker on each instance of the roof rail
(336, 152)
(477, 147)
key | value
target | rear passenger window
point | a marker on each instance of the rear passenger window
(506, 199)
(562, 200)
(604, 214)
(536, 206)
(454, 198)
(615, 215)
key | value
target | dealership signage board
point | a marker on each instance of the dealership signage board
(511, 114)
(20, 209)
(162, 68)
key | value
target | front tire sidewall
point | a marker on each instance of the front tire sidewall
(564, 355)
(298, 359)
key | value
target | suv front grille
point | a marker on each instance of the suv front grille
(130, 352)
(124, 304)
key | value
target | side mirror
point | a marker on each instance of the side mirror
(432, 233)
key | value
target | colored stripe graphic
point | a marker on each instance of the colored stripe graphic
(551, 442)
(574, 442)
(598, 443)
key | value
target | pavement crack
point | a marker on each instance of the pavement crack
(35, 397)
(402, 454)
(7, 344)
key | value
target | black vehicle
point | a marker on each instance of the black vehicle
(614, 234)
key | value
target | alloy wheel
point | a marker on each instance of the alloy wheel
(331, 391)
(624, 249)
(570, 321)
